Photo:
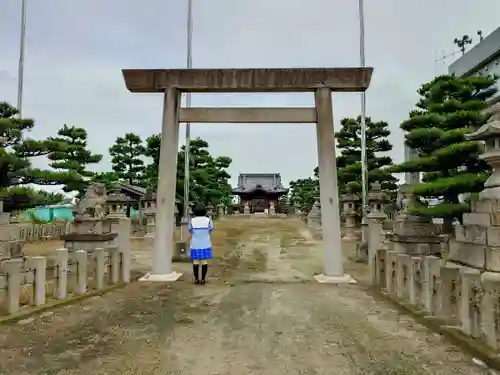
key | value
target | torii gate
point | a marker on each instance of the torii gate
(322, 81)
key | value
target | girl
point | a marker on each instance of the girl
(200, 227)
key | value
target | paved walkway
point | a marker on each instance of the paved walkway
(261, 313)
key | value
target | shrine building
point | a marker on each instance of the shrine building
(259, 191)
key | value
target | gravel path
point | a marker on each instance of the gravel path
(261, 313)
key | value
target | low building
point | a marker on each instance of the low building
(482, 59)
(130, 196)
(259, 191)
(135, 193)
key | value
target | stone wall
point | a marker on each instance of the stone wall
(456, 280)
(457, 295)
(34, 232)
(452, 278)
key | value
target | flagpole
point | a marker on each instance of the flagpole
(20, 71)
(364, 161)
(189, 63)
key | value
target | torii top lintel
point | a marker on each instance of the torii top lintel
(248, 80)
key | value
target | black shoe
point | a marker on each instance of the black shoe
(196, 268)
(204, 269)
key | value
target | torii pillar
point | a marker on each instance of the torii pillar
(321, 81)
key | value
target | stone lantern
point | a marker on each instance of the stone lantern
(184, 222)
(221, 209)
(377, 200)
(210, 210)
(149, 210)
(181, 250)
(117, 203)
(314, 217)
(148, 202)
(350, 202)
(296, 209)
(490, 134)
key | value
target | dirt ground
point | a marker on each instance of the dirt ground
(261, 313)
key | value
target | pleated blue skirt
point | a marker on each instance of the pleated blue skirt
(201, 254)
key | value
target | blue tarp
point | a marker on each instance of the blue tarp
(57, 213)
(48, 214)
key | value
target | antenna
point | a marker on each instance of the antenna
(443, 60)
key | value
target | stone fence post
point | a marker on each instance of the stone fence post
(38, 265)
(374, 242)
(124, 244)
(61, 291)
(114, 264)
(12, 269)
(81, 271)
(99, 258)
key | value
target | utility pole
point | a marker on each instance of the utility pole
(364, 162)
(189, 63)
(20, 70)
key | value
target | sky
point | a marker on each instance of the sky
(75, 51)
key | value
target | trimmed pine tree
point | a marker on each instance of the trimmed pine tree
(449, 107)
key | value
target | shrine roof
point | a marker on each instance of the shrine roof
(138, 190)
(353, 79)
(265, 182)
(243, 190)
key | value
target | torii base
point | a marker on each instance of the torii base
(168, 277)
(346, 279)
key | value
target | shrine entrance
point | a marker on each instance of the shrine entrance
(320, 81)
(258, 192)
(259, 205)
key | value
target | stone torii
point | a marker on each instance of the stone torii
(320, 81)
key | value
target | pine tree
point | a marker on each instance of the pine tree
(70, 154)
(303, 193)
(153, 145)
(23, 197)
(209, 179)
(16, 151)
(349, 160)
(109, 179)
(449, 107)
(126, 158)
